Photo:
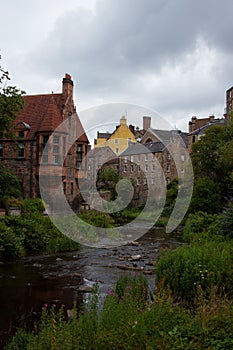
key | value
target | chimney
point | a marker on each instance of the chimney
(123, 121)
(192, 124)
(146, 122)
(67, 86)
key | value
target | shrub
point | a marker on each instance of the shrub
(11, 244)
(206, 196)
(198, 223)
(225, 226)
(30, 206)
(204, 264)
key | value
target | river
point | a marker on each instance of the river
(26, 285)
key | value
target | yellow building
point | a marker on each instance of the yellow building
(119, 140)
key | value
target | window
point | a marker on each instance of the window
(21, 134)
(153, 167)
(131, 168)
(56, 159)
(145, 181)
(153, 157)
(168, 180)
(116, 141)
(125, 169)
(125, 159)
(168, 156)
(138, 181)
(117, 150)
(1, 150)
(71, 188)
(79, 156)
(131, 158)
(45, 158)
(56, 150)
(56, 139)
(152, 181)
(182, 157)
(21, 150)
(168, 167)
(139, 168)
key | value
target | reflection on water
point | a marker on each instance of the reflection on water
(28, 284)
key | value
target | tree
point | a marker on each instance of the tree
(9, 187)
(206, 197)
(107, 180)
(11, 102)
(212, 157)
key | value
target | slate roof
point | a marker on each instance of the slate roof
(202, 130)
(143, 148)
(166, 135)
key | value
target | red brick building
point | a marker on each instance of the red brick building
(28, 158)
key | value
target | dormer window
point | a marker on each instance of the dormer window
(21, 134)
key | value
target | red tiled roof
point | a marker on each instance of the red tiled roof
(41, 112)
(44, 114)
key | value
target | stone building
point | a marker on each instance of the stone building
(229, 102)
(38, 147)
(198, 127)
(118, 140)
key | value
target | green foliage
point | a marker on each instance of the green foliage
(107, 180)
(225, 225)
(11, 244)
(32, 206)
(206, 196)
(9, 183)
(171, 195)
(204, 264)
(96, 218)
(133, 285)
(121, 324)
(198, 223)
(11, 102)
(212, 157)
(31, 233)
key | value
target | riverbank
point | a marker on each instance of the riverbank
(64, 278)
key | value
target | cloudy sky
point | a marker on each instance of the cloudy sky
(171, 56)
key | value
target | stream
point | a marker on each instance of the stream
(27, 284)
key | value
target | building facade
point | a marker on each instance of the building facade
(119, 140)
(38, 147)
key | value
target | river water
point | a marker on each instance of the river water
(26, 285)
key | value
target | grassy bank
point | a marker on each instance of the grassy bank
(132, 319)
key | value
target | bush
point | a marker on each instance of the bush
(225, 225)
(206, 197)
(204, 265)
(31, 234)
(32, 206)
(11, 244)
(199, 223)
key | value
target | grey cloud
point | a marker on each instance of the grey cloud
(107, 50)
